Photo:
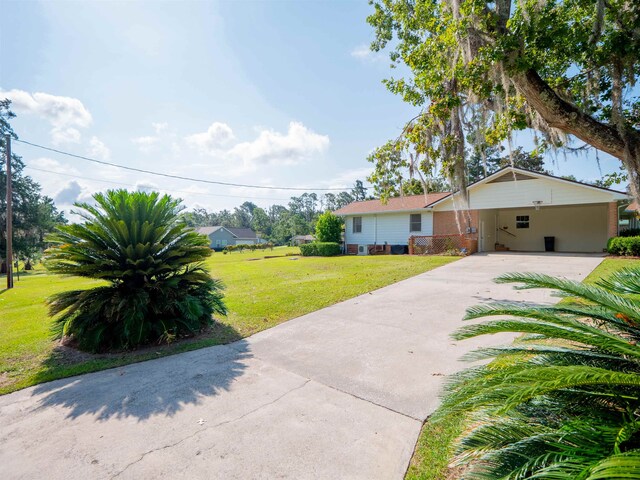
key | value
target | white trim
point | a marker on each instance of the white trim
(357, 214)
(615, 193)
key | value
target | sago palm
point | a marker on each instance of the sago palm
(156, 287)
(564, 402)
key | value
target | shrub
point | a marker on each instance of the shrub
(243, 246)
(563, 403)
(320, 249)
(329, 228)
(156, 286)
(630, 232)
(626, 246)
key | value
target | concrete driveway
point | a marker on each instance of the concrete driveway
(339, 393)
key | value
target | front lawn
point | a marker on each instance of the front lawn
(435, 448)
(260, 293)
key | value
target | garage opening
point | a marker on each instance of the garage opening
(574, 228)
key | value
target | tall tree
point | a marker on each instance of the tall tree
(359, 191)
(560, 67)
(481, 164)
(343, 198)
(243, 215)
(34, 214)
(260, 222)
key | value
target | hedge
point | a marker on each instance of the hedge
(629, 232)
(320, 249)
(247, 246)
(627, 246)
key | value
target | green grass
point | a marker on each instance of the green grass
(260, 293)
(609, 266)
(435, 449)
(436, 445)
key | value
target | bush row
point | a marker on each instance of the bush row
(630, 232)
(248, 246)
(320, 249)
(628, 246)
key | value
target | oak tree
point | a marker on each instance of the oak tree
(563, 68)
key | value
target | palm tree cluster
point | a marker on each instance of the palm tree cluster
(563, 402)
(156, 287)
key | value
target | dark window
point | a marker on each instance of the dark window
(415, 222)
(522, 221)
(357, 224)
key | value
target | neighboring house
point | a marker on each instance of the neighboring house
(245, 236)
(511, 209)
(220, 236)
(302, 239)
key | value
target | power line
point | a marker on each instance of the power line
(168, 175)
(167, 189)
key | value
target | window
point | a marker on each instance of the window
(522, 221)
(415, 222)
(357, 224)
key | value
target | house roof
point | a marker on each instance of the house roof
(242, 232)
(303, 237)
(396, 204)
(207, 230)
(245, 233)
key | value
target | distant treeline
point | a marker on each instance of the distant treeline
(278, 223)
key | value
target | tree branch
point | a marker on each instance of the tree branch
(560, 114)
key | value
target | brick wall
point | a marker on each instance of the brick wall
(444, 223)
(612, 220)
(352, 249)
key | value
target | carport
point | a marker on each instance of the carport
(574, 228)
(515, 209)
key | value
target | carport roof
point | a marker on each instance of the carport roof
(521, 171)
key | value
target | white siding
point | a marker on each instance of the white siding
(522, 193)
(392, 228)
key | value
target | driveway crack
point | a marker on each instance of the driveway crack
(226, 422)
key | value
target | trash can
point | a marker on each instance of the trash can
(549, 244)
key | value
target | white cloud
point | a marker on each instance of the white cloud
(60, 136)
(98, 149)
(146, 186)
(48, 163)
(65, 114)
(274, 148)
(69, 194)
(365, 54)
(148, 143)
(348, 178)
(160, 127)
(145, 144)
(209, 142)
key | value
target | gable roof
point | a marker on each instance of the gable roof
(242, 232)
(396, 204)
(246, 233)
(522, 174)
(207, 230)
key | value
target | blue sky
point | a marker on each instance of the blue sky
(271, 93)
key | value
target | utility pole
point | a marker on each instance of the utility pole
(7, 140)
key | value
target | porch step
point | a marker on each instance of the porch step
(499, 247)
